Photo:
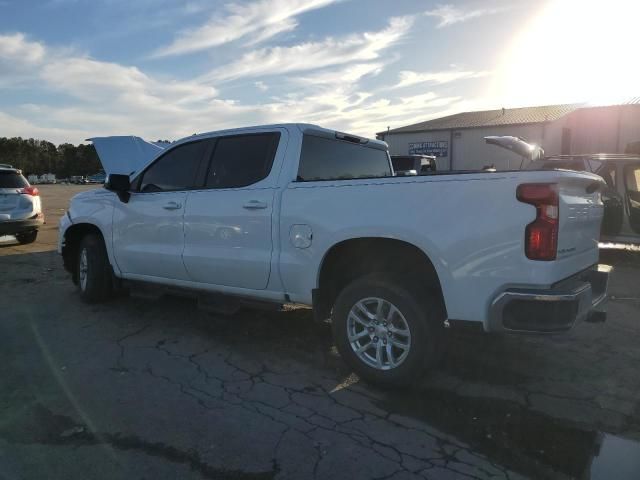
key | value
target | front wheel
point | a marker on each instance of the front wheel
(93, 270)
(385, 331)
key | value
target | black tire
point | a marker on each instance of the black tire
(97, 285)
(27, 237)
(423, 314)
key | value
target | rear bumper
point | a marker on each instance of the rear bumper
(522, 310)
(12, 227)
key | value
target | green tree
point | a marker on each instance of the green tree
(35, 156)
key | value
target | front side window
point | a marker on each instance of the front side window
(175, 170)
(327, 159)
(242, 160)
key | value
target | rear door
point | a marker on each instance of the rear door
(228, 221)
(148, 230)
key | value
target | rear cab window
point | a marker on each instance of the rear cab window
(332, 159)
(12, 179)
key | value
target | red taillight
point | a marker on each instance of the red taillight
(541, 235)
(33, 191)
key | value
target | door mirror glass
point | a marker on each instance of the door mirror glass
(120, 184)
(117, 182)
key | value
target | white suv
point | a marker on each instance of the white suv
(20, 208)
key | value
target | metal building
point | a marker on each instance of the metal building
(458, 140)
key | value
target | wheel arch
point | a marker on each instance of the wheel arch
(351, 258)
(72, 238)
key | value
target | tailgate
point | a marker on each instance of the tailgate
(581, 212)
(9, 201)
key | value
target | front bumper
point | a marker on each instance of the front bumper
(522, 310)
(11, 227)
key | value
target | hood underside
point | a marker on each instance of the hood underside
(517, 145)
(125, 154)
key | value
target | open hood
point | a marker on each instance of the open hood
(125, 154)
(518, 146)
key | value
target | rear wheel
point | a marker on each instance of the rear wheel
(93, 270)
(387, 332)
(27, 237)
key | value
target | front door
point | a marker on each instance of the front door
(228, 223)
(148, 230)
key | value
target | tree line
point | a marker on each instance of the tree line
(34, 156)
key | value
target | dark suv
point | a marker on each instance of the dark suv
(621, 223)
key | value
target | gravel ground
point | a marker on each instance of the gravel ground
(157, 389)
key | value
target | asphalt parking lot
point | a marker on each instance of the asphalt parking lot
(157, 389)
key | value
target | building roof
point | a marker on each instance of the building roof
(491, 118)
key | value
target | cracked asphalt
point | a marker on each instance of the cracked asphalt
(154, 389)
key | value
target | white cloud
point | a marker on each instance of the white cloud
(450, 15)
(94, 80)
(263, 19)
(17, 48)
(13, 126)
(314, 55)
(345, 75)
(88, 79)
(408, 77)
(107, 98)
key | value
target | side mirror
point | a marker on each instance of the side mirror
(120, 184)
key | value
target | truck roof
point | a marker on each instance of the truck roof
(127, 154)
(303, 127)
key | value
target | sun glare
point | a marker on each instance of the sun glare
(573, 51)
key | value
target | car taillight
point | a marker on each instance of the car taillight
(33, 191)
(541, 235)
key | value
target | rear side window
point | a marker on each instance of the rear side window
(326, 159)
(242, 160)
(12, 180)
(175, 170)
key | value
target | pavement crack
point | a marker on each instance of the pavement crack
(60, 430)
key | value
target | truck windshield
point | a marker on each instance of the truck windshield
(327, 159)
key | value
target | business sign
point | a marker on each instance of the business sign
(438, 148)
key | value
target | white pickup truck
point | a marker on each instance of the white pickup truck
(295, 213)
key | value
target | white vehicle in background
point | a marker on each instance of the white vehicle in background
(296, 213)
(47, 178)
(33, 179)
(20, 208)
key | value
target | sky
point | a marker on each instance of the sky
(165, 69)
